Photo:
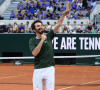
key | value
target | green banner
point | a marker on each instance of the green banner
(64, 44)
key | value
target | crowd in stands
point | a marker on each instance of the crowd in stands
(68, 28)
(53, 9)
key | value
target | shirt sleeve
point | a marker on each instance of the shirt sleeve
(31, 44)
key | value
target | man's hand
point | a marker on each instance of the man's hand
(43, 37)
(67, 8)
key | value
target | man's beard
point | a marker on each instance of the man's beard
(39, 30)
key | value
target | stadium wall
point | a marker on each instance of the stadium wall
(6, 22)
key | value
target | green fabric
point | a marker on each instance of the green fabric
(94, 31)
(45, 56)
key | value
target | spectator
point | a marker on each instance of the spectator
(15, 26)
(30, 30)
(73, 31)
(48, 15)
(20, 7)
(45, 30)
(44, 5)
(19, 15)
(10, 30)
(99, 31)
(22, 30)
(32, 3)
(75, 26)
(62, 8)
(81, 16)
(93, 4)
(79, 30)
(53, 25)
(57, 16)
(21, 26)
(25, 17)
(89, 27)
(17, 30)
(93, 31)
(84, 9)
(80, 12)
(71, 18)
(82, 27)
(35, 16)
(61, 29)
(40, 14)
(65, 30)
(87, 31)
(45, 18)
(31, 16)
(50, 3)
(74, 4)
(48, 26)
(85, 4)
(69, 27)
(57, 8)
(38, 6)
(73, 14)
(12, 15)
(53, 15)
(27, 7)
(54, 6)
(88, 13)
(2, 28)
(60, 14)
(33, 9)
(95, 26)
(27, 14)
(27, 26)
(78, 17)
(79, 5)
(8, 27)
(50, 8)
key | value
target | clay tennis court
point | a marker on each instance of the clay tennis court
(68, 77)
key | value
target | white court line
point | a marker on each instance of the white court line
(80, 84)
(66, 88)
(14, 76)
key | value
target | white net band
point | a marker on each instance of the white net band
(83, 56)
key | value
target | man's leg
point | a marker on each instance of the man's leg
(50, 79)
(37, 80)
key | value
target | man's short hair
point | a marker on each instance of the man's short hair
(68, 22)
(33, 24)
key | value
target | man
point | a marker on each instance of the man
(20, 7)
(41, 48)
(2, 27)
(69, 27)
(12, 15)
(89, 28)
(82, 27)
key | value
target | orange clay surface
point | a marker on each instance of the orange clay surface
(68, 77)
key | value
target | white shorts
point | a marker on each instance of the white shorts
(44, 76)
